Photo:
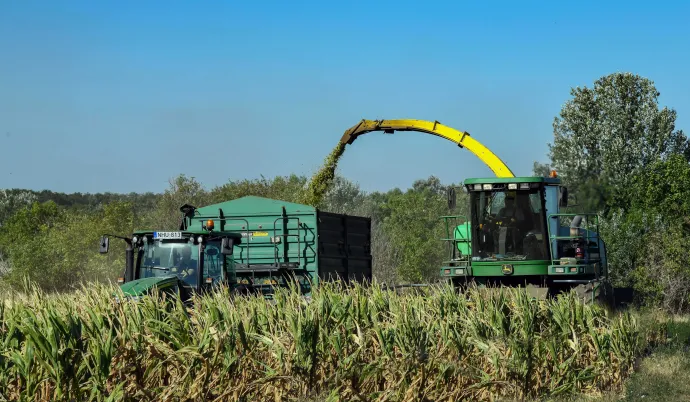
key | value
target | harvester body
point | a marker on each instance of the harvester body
(516, 232)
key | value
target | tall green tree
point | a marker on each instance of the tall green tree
(664, 187)
(412, 222)
(647, 240)
(606, 132)
(182, 190)
(13, 200)
(286, 188)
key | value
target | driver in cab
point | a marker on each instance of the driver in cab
(185, 266)
(511, 211)
(516, 213)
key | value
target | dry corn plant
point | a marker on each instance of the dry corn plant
(356, 343)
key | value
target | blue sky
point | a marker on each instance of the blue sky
(122, 96)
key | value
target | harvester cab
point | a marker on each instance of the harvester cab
(517, 234)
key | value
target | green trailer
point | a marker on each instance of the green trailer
(251, 244)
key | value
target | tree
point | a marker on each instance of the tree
(182, 190)
(412, 223)
(663, 187)
(345, 197)
(611, 130)
(23, 243)
(57, 248)
(13, 200)
(287, 188)
(541, 169)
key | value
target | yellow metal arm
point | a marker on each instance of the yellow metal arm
(463, 139)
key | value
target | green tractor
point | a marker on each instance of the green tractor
(516, 234)
(252, 245)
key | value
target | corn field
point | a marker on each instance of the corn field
(360, 343)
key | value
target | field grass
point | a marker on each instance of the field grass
(354, 344)
(664, 375)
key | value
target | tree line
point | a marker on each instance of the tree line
(615, 148)
(54, 242)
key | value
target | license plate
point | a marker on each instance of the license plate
(167, 235)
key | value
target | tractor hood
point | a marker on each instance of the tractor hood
(141, 287)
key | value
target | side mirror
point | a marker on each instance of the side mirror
(105, 244)
(227, 246)
(564, 197)
(452, 198)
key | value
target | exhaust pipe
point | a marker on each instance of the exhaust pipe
(577, 221)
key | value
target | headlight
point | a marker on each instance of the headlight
(487, 186)
(512, 186)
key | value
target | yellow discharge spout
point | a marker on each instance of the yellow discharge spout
(463, 139)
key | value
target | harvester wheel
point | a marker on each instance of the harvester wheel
(461, 284)
(597, 293)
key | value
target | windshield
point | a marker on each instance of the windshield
(508, 225)
(163, 258)
(181, 258)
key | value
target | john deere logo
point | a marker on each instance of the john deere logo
(507, 269)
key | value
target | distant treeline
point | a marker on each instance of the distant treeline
(87, 200)
(59, 233)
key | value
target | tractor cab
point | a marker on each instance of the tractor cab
(183, 262)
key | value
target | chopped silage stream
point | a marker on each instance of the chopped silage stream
(323, 179)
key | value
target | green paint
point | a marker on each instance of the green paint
(520, 268)
(257, 220)
(462, 235)
(582, 269)
(140, 287)
(494, 269)
(185, 233)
